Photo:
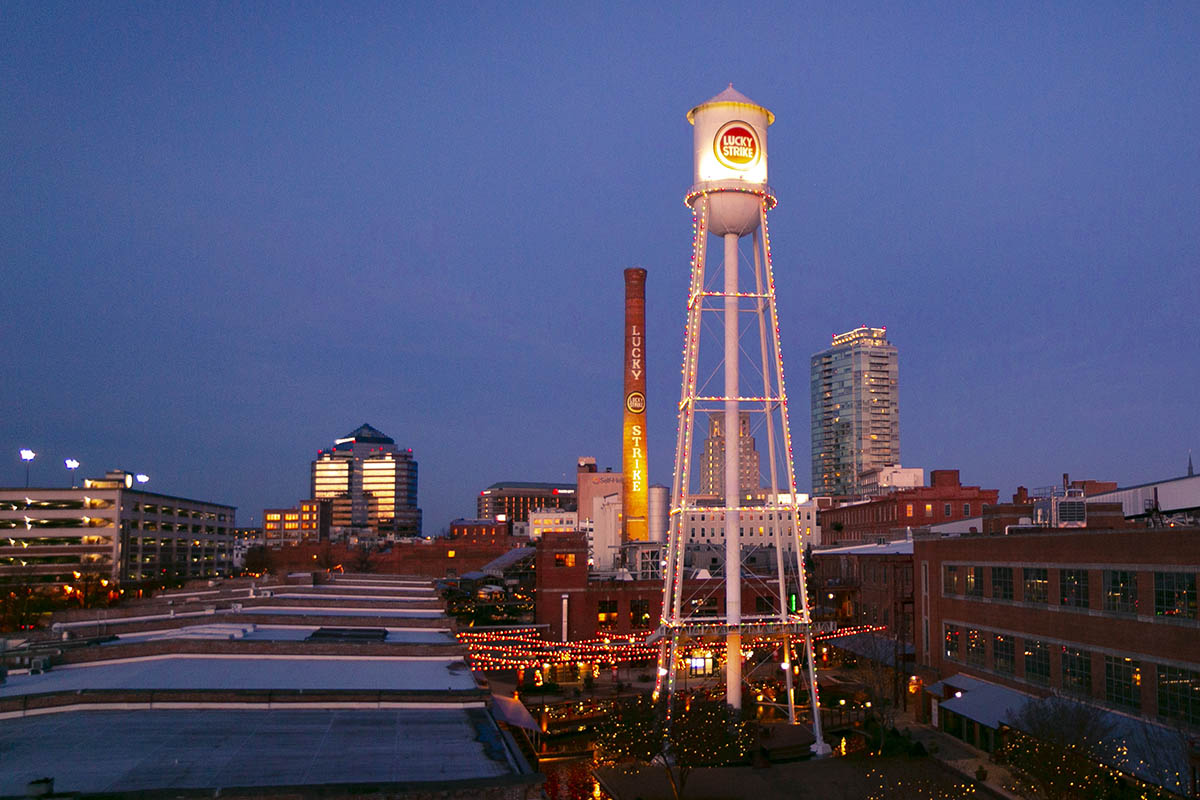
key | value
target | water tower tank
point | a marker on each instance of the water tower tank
(730, 161)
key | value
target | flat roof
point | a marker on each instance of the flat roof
(251, 672)
(366, 595)
(530, 485)
(345, 611)
(989, 704)
(278, 633)
(899, 547)
(128, 751)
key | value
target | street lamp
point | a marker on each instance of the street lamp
(27, 456)
(142, 477)
(72, 465)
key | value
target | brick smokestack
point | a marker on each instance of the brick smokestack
(635, 490)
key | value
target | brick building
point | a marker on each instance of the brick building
(887, 517)
(868, 584)
(479, 530)
(1108, 615)
(597, 606)
(441, 557)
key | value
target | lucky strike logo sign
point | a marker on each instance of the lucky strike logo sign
(736, 145)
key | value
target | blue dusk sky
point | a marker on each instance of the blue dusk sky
(232, 232)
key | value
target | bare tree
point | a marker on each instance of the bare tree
(702, 733)
(1058, 744)
(363, 559)
(877, 673)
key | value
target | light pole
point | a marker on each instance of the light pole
(27, 456)
(72, 465)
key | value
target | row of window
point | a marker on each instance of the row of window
(29, 523)
(1177, 689)
(55, 505)
(147, 525)
(720, 532)
(187, 513)
(1174, 592)
(947, 509)
(770, 517)
(881, 512)
(26, 542)
(169, 560)
(33, 561)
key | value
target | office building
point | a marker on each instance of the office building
(112, 531)
(513, 500)
(855, 410)
(308, 522)
(372, 484)
(712, 457)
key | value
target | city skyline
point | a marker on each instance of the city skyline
(230, 233)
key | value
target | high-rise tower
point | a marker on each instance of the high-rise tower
(855, 410)
(372, 483)
(712, 457)
(735, 302)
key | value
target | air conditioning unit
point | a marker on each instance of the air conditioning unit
(1068, 511)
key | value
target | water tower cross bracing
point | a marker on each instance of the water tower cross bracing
(733, 367)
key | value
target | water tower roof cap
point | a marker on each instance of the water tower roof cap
(731, 97)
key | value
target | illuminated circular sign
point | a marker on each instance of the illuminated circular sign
(635, 402)
(736, 145)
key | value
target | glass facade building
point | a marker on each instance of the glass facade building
(371, 483)
(855, 410)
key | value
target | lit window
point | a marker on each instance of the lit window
(606, 614)
(450, 554)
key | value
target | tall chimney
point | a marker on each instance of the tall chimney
(635, 483)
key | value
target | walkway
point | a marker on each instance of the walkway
(958, 755)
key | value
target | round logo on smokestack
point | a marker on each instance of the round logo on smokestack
(736, 145)
(635, 402)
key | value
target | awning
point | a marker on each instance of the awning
(986, 703)
(513, 712)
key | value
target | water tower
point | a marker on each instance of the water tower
(732, 369)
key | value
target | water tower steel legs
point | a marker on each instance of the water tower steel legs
(760, 246)
(733, 556)
(668, 656)
(819, 748)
